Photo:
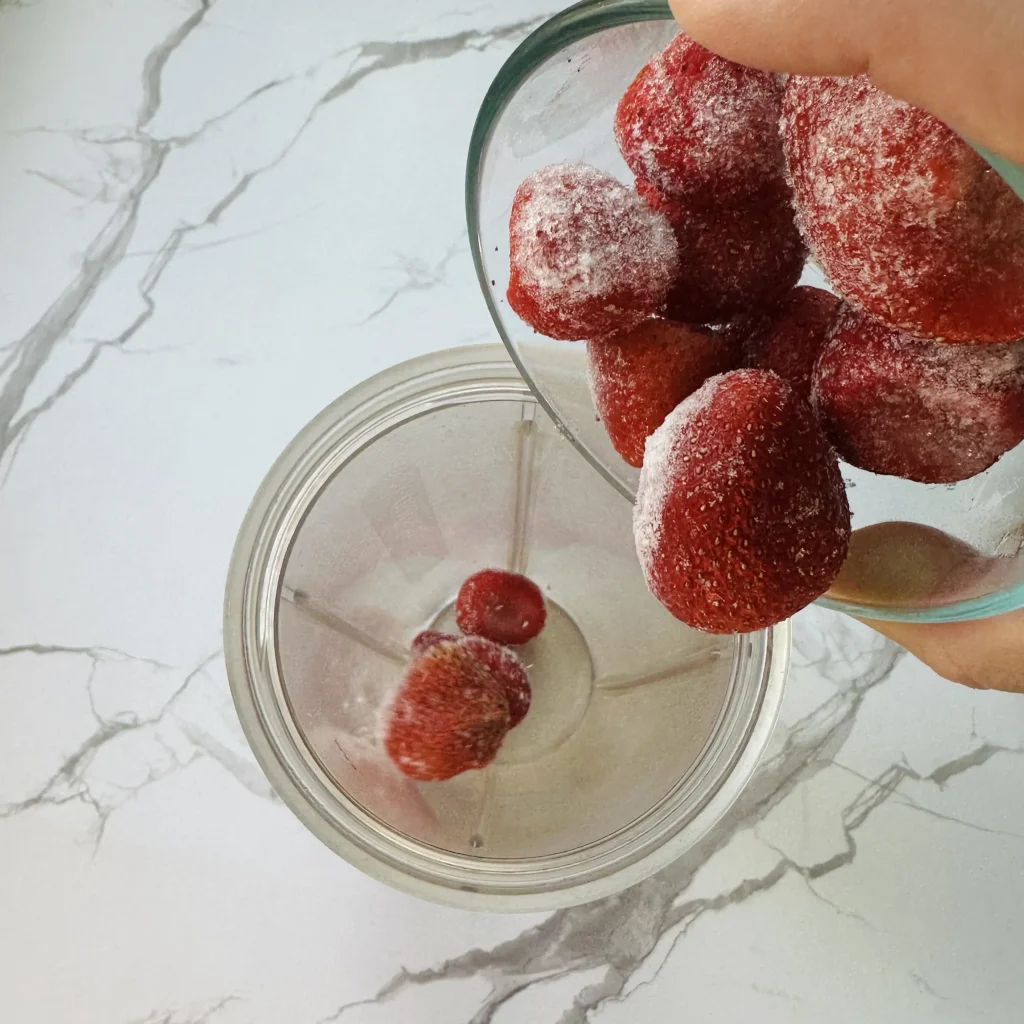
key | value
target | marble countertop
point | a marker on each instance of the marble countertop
(207, 232)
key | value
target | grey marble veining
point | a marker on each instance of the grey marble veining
(617, 935)
(336, 77)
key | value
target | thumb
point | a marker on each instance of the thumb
(961, 61)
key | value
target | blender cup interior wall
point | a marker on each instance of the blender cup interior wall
(626, 698)
(642, 732)
(563, 112)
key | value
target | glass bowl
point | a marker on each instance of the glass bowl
(642, 732)
(932, 553)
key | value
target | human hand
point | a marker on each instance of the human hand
(986, 655)
(893, 564)
(962, 61)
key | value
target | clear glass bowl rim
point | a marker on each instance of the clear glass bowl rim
(378, 405)
(564, 29)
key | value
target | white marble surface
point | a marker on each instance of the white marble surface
(216, 215)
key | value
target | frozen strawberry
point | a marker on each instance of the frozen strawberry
(907, 221)
(915, 408)
(789, 342)
(638, 377)
(450, 715)
(429, 638)
(588, 256)
(734, 255)
(500, 606)
(741, 517)
(504, 665)
(694, 124)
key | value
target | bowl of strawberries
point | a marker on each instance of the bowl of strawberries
(783, 315)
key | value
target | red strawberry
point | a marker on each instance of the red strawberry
(450, 715)
(502, 663)
(790, 341)
(501, 606)
(741, 517)
(506, 667)
(918, 409)
(429, 638)
(694, 124)
(638, 377)
(735, 255)
(588, 256)
(908, 222)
